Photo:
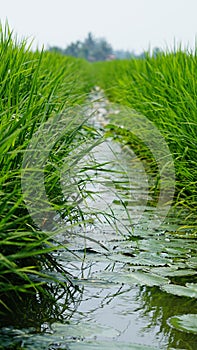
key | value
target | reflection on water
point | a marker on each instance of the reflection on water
(162, 306)
(120, 307)
(119, 188)
(105, 312)
(34, 309)
(138, 314)
(120, 301)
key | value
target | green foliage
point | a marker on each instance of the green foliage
(162, 88)
(35, 87)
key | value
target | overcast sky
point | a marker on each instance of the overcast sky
(126, 24)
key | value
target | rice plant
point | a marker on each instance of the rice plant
(36, 87)
(162, 88)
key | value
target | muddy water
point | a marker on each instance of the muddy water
(121, 268)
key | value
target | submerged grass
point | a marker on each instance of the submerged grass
(35, 88)
(164, 89)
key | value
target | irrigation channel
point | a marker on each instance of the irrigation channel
(137, 284)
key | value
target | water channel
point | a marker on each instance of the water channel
(130, 279)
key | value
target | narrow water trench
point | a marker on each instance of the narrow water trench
(126, 301)
(132, 278)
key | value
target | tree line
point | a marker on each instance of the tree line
(93, 50)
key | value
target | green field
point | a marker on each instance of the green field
(36, 87)
(164, 89)
(43, 96)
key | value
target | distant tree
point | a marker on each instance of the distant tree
(56, 49)
(91, 49)
(72, 49)
(94, 50)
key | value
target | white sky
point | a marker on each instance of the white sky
(126, 24)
